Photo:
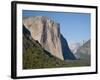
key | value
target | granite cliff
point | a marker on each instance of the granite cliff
(47, 33)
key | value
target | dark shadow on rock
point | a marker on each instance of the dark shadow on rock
(67, 54)
(26, 32)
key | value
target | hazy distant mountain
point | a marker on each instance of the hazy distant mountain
(74, 46)
(47, 33)
(84, 52)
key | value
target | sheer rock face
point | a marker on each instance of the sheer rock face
(46, 32)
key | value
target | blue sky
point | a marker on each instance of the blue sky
(75, 27)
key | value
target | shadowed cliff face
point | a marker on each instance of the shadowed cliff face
(26, 32)
(47, 33)
(68, 55)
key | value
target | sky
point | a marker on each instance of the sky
(75, 27)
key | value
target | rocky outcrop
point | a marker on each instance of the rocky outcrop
(47, 33)
(84, 51)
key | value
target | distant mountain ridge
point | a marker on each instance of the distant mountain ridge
(47, 33)
(84, 51)
(74, 46)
